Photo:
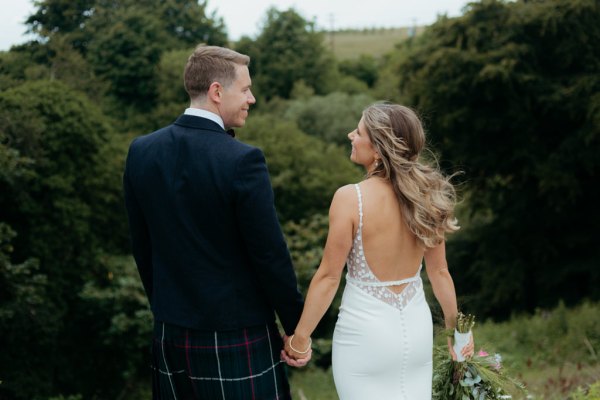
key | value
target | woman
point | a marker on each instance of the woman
(383, 228)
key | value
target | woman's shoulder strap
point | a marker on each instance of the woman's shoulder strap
(360, 205)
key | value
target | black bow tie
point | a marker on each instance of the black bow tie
(230, 132)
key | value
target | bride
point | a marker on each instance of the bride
(382, 229)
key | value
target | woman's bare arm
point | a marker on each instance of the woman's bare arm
(441, 282)
(326, 280)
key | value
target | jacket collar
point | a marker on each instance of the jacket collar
(194, 122)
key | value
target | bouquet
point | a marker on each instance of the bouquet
(478, 378)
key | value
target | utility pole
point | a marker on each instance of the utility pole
(412, 31)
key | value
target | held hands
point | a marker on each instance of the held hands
(297, 351)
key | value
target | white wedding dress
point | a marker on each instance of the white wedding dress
(383, 341)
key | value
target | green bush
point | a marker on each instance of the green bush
(305, 171)
(60, 200)
(591, 393)
(329, 117)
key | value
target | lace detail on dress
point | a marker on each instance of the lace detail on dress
(360, 274)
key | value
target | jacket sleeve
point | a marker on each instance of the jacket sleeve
(140, 237)
(264, 240)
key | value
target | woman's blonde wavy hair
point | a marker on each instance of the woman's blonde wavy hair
(426, 196)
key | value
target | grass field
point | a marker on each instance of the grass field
(546, 383)
(349, 44)
(552, 352)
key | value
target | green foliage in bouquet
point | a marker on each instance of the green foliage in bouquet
(480, 377)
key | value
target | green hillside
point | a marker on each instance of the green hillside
(348, 44)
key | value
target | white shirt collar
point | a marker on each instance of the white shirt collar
(198, 112)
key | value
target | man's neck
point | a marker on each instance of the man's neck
(205, 113)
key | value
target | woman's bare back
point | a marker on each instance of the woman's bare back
(390, 248)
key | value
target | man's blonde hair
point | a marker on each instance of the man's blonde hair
(208, 64)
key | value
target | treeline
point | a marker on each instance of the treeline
(509, 93)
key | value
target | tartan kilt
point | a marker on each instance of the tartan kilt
(225, 365)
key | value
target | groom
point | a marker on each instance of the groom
(208, 245)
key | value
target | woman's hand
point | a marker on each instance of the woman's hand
(293, 355)
(466, 351)
(298, 347)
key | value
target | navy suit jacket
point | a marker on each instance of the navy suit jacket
(205, 234)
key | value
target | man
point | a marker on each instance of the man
(208, 245)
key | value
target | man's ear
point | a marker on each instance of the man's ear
(215, 91)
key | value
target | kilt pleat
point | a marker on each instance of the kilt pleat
(224, 365)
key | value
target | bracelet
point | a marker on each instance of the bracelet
(298, 351)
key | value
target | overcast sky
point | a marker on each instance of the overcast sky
(245, 17)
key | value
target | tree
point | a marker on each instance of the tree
(365, 69)
(329, 117)
(62, 195)
(27, 314)
(172, 97)
(288, 50)
(121, 42)
(510, 94)
(19, 64)
(64, 17)
(185, 22)
(114, 311)
(126, 55)
(189, 23)
(305, 171)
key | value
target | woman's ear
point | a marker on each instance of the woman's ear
(377, 158)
